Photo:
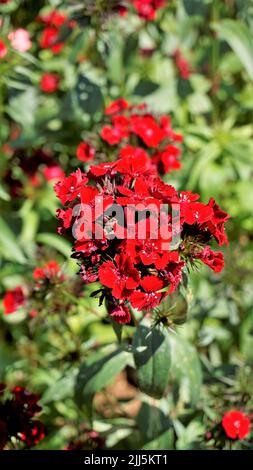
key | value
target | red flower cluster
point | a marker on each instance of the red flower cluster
(147, 9)
(13, 300)
(50, 272)
(236, 424)
(182, 65)
(139, 132)
(49, 82)
(51, 35)
(129, 257)
(16, 417)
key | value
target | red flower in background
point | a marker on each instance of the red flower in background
(236, 424)
(16, 418)
(53, 173)
(49, 82)
(117, 106)
(112, 135)
(147, 129)
(51, 271)
(50, 39)
(3, 49)
(167, 160)
(147, 8)
(13, 300)
(182, 64)
(85, 152)
(51, 35)
(54, 18)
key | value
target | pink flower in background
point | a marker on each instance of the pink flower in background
(52, 173)
(20, 40)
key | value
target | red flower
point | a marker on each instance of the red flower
(33, 433)
(134, 162)
(102, 170)
(167, 159)
(147, 129)
(50, 39)
(13, 300)
(65, 216)
(117, 106)
(33, 313)
(182, 65)
(149, 297)
(54, 172)
(165, 123)
(121, 277)
(216, 224)
(68, 189)
(112, 135)
(147, 8)
(54, 18)
(49, 272)
(121, 314)
(236, 424)
(122, 11)
(3, 49)
(214, 260)
(85, 152)
(49, 82)
(195, 212)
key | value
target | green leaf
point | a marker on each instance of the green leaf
(61, 389)
(152, 359)
(9, 246)
(89, 96)
(196, 7)
(97, 372)
(145, 87)
(56, 242)
(23, 105)
(240, 39)
(152, 422)
(4, 195)
(186, 375)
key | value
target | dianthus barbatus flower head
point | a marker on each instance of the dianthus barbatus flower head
(135, 234)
